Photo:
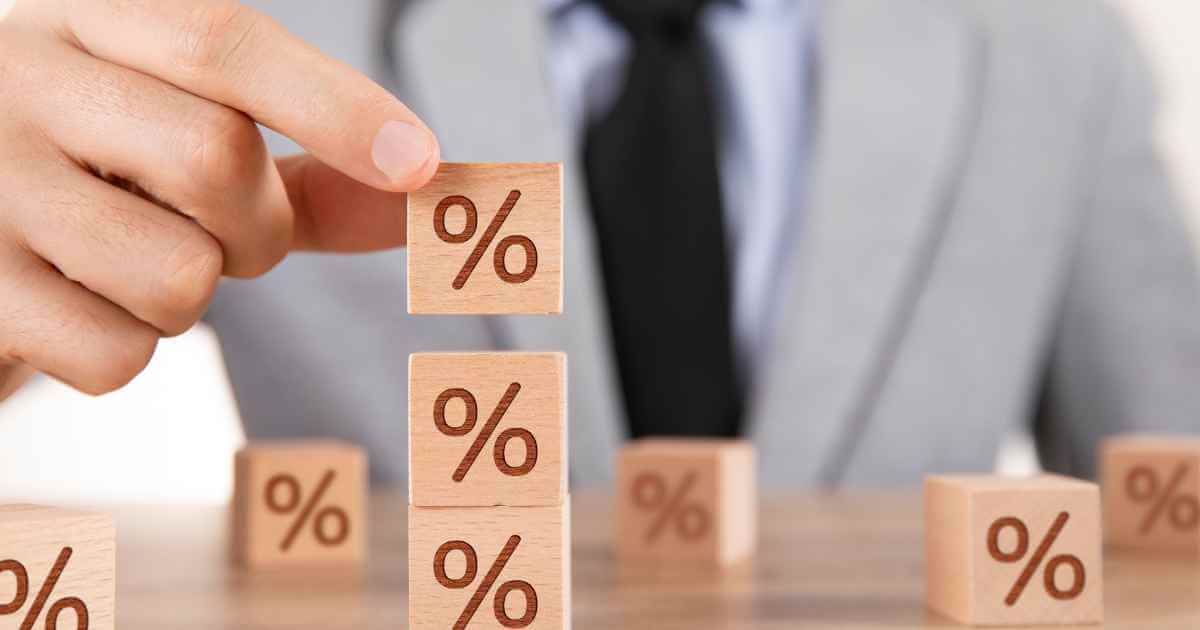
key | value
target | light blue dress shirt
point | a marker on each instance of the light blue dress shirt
(763, 52)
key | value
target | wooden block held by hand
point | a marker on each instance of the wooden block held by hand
(692, 501)
(489, 567)
(486, 239)
(487, 428)
(1151, 490)
(69, 555)
(300, 502)
(1013, 551)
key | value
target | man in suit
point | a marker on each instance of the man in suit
(874, 237)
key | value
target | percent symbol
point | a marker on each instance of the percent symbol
(1079, 578)
(650, 493)
(1142, 486)
(485, 241)
(485, 434)
(489, 580)
(39, 602)
(289, 486)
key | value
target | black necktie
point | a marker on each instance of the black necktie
(656, 201)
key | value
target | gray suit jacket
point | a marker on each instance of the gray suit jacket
(990, 244)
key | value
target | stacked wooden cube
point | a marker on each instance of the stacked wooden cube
(489, 513)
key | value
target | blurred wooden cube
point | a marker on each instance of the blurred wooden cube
(687, 501)
(1013, 551)
(300, 502)
(1151, 490)
(486, 239)
(71, 554)
(487, 428)
(489, 567)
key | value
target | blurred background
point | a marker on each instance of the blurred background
(169, 437)
(1166, 29)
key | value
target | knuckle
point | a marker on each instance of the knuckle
(220, 150)
(188, 282)
(268, 233)
(120, 366)
(270, 250)
(256, 264)
(211, 35)
(84, 348)
(271, 246)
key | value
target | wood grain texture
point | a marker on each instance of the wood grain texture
(299, 502)
(453, 461)
(948, 564)
(71, 552)
(1151, 493)
(448, 590)
(687, 501)
(462, 260)
(1031, 553)
(827, 562)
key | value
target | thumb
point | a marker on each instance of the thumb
(336, 213)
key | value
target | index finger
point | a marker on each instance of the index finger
(228, 53)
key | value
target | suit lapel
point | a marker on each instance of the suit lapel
(478, 74)
(895, 94)
(895, 97)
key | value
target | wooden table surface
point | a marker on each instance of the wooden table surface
(845, 561)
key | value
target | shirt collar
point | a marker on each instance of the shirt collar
(557, 7)
(554, 6)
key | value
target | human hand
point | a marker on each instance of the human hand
(132, 174)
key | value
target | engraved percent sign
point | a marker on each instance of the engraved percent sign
(650, 493)
(39, 602)
(290, 503)
(1079, 578)
(485, 434)
(1183, 512)
(489, 580)
(485, 241)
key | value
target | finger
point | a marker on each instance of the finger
(335, 213)
(157, 265)
(14, 375)
(230, 54)
(60, 328)
(203, 159)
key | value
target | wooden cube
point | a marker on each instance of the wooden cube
(486, 239)
(300, 502)
(1151, 490)
(691, 501)
(68, 554)
(1013, 551)
(489, 567)
(487, 428)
